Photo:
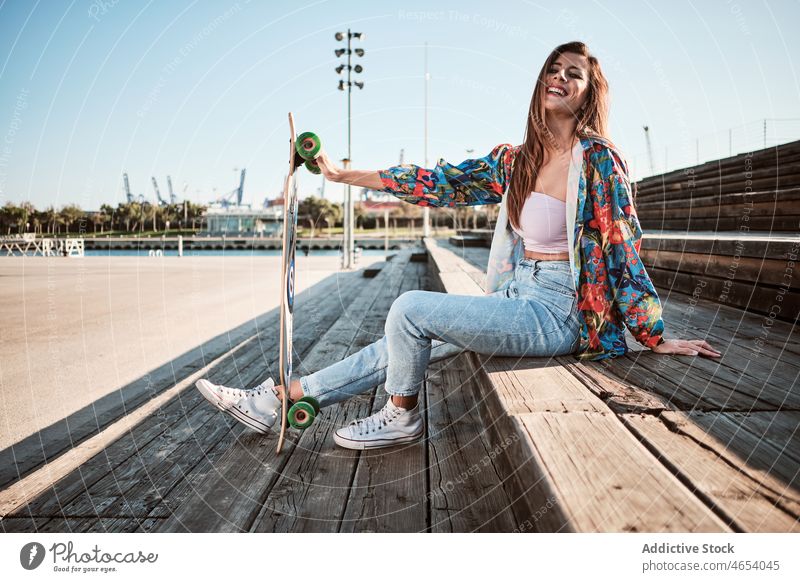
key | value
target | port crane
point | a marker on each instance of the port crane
(127, 188)
(128, 195)
(234, 197)
(161, 201)
(172, 198)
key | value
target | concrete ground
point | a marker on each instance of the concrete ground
(75, 330)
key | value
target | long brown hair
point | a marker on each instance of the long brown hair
(592, 120)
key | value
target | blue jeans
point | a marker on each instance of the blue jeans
(535, 316)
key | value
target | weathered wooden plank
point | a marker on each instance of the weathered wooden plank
(93, 524)
(769, 157)
(695, 317)
(23, 493)
(71, 493)
(190, 481)
(724, 246)
(533, 499)
(477, 258)
(517, 392)
(131, 525)
(765, 452)
(139, 464)
(607, 481)
(694, 382)
(766, 274)
(781, 429)
(313, 489)
(640, 382)
(745, 376)
(760, 334)
(784, 223)
(170, 464)
(453, 274)
(733, 478)
(723, 169)
(231, 496)
(771, 367)
(12, 524)
(227, 499)
(388, 492)
(718, 208)
(619, 394)
(724, 185)
(538, 384)
(697, 199)
(160, 470)
(27, 456)
(744, 295)
(466, 490)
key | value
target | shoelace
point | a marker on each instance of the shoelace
(375, 421)
(242, 393)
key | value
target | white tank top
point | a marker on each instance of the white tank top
(543, 223)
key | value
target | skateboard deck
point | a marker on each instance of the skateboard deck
(302, 150)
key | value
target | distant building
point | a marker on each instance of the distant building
(245, 221)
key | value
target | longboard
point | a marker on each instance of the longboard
(303, 149)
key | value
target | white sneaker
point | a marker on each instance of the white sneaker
(257, 407)
(391, 425)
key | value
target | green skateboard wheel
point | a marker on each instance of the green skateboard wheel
(312, 401)
(308, 145)
(313, 167)
(301, 415)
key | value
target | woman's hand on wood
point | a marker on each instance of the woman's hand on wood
(692, 347)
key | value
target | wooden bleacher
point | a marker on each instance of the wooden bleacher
(192, 468)
(661, 443)
(644, 442)
(727, 230)
(717, 195)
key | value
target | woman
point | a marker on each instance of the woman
(564, 274)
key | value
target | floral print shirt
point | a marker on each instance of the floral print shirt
(613, 288)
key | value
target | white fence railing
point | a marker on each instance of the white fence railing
(28, 245)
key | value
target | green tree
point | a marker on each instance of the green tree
(130, 213)
(51, 218)
(358, 214)
(171, 214)
(106, 214)
(27, 210)
(317, 210)
(194, 214)
(38, 220)
(13, 217)
(71, 214)
(7, 217)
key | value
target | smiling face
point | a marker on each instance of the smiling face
(566, 84)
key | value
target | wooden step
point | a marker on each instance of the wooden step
(165, 444)
(234, 495)
(750, 271)
(759, 190)
(593, 446)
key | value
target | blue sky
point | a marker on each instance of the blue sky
(196, 89)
